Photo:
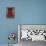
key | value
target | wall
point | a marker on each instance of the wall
(31, 11)
(27, 12)
(7, 25)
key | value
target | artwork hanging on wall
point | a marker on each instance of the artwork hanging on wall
(10, 12)
(32, 32)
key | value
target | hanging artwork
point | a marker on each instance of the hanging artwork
(10, 12)
(32, 32)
